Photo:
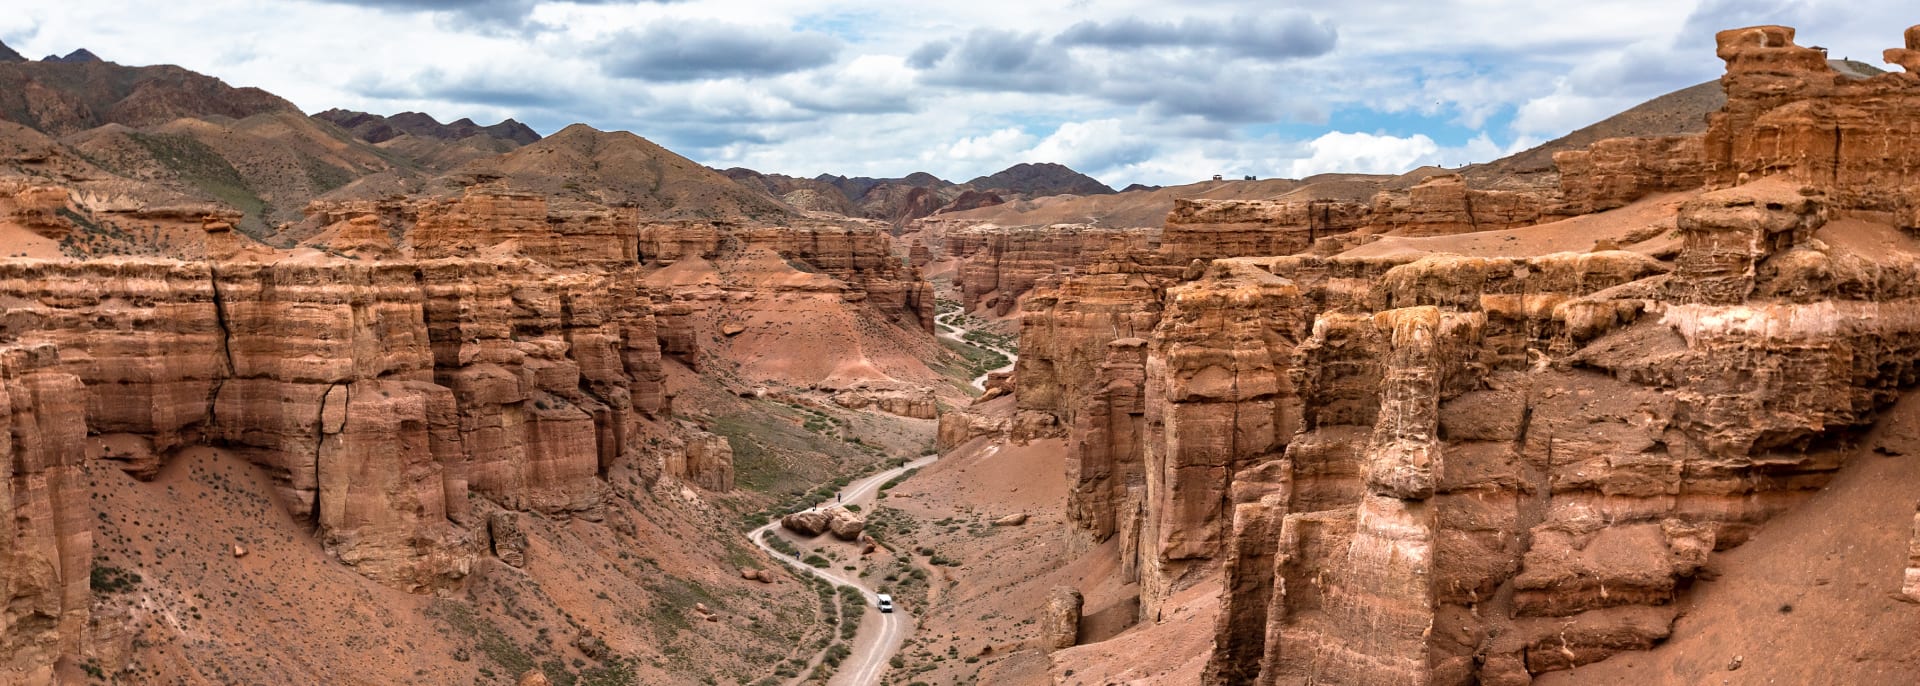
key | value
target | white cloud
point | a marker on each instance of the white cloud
(995, 146)
(1371, 153)
(1093, 147)
(1338, 151)
(1173, 112)
(1564, 110)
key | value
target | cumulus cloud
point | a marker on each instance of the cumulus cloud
(1162, 84)
(1373, 153)
(508, 86)
(1268, 35)
(676, 50)
(999, 145)
(997, 59)
(1094, 147)
(869, 84)
(1566, 109)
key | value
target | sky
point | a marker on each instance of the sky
(1128, 91)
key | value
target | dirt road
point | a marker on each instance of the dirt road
(959, 336)
(880, 633)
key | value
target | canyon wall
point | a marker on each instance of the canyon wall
(1790, 114)
(1434, 468)
(1614, 172)
(46, 537)
(1524, 460)
(858, 254)
(381, 395)
(1212, 229)
(1443, 204)
(572, 234)
(1003, 263)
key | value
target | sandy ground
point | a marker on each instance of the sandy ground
(1813, 597)
(1171, 652)
(632, 576)
(985, 606)
(17, 241)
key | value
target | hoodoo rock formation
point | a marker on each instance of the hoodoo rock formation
(1464, 461)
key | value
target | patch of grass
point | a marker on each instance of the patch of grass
(110, 579)
(492, 642)
(784, 546)
(203, 168)
(971, 361)
(322, 176)
(896, 481)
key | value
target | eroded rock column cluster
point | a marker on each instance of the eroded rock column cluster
(1445, 469)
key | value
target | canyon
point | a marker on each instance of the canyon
(574, 408)
(1452, 435)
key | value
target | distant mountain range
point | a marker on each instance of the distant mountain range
(920, 194)
(164, 132)
(374, 128)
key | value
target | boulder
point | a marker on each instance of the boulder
(807, 522)
(1060, 626)
(1016, 519)
(845, 525)
(509, 540)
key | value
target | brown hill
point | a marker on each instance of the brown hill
(858, 186)
(374, 128)
(1041, 179)
(812, 195)
(614, 167)
(64, 97)
(8, 55)
(77, 56)
(434, 154)
(1130, 209)
(267, 166)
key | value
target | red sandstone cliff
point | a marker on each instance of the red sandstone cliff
(1435, 468)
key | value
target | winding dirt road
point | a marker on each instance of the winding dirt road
(959, 336)
(880, 633)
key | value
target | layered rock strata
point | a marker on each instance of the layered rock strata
(859, 255)
(1790, 114)
(1009, 261)
(46, 536)
(1212, 229)
(1443, 204)
(576, 235)
(1614, 172)
(1448, 469)
(381, 396)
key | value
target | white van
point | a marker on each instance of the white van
(884, 602)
